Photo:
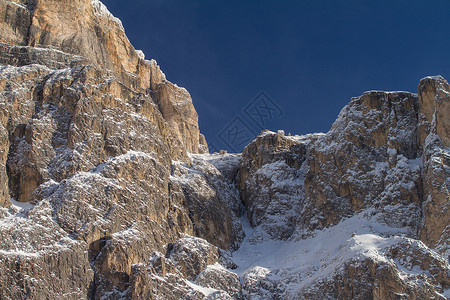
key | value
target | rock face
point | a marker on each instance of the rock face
(271, 175)
(434, 137)
(61, 34)
(89, 130)
(384, 157)
(106, 190)
(207, 186)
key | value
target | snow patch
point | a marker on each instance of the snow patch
(306, 261)
(204, 290)
(21, 206)
(101, 11)
(140, 53)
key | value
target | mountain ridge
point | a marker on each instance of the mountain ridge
(108, 190)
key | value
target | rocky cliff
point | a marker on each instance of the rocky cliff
(107, 190)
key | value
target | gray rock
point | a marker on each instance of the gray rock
(217, 277)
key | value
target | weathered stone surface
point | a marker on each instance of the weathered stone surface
(192, 255)
(16, 21)
(62, 34)
(4, 149)
(145, 285)
(270, 177)
(369, 279)
(176, 106)
(382, 155)
(207, 186)
(217, 277)
(370, 157)
(357, 265)
(38, 259)
(81, 133)
(100, 154)
(172, 276)
(434, 101)
(434, 131)
(256, 284)
(375, 279)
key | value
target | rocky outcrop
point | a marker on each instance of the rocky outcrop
(184, 273)
(376, 279)
(208, 189)
(434, 137)
(89, 130)
(217, 277)
(359, 258)
(98, 156)
(61, 34)
(370, 158)
(271, 175)
(386, 154)
(38, 259)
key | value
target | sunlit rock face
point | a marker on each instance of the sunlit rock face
(64, 34)
(434, 137)
(107, 190)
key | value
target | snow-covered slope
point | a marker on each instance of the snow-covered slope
(316, 267)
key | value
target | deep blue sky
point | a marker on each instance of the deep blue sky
(310, 57)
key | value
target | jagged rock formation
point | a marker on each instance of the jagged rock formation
(383, 156)
(89, 131)
(104, 192)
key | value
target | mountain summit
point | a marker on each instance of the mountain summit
(107, 189)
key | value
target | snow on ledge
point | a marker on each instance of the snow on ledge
(101, 10)
(21, 205)
(204, 290)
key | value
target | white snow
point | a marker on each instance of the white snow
(21, 205)
(204, 290)
(416, 164)
(305, 261)
(306, 138)
(17, 4)
(140, 53)
(101, 10)
(26, 234)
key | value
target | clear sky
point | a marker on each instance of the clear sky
(308, 57)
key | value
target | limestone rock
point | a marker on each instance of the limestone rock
(82, 135)
(270, 177)
(186, 271)
(217, 277)
(4, 149)
(147, 286)
(368, 279)
(61, 34)
(39, 259)
(257, 285)
(176, 106)
(434, 130)
(192, 255)
(207, 186)
(371, 156)
(382, 158)
(360, 260)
